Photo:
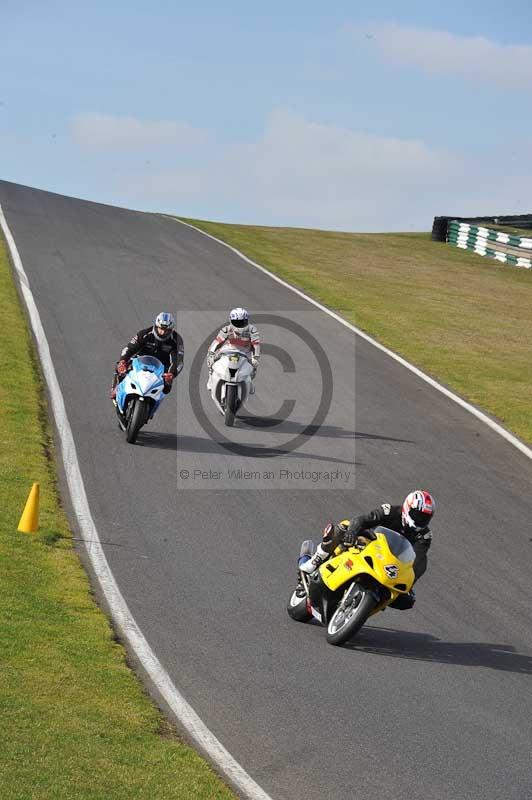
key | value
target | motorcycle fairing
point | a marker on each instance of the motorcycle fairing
(231, 367)
(143, 380)
(373, 561)
(322, 599)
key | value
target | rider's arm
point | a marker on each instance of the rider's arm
(176, 356)
(373, 518)
(421, 547)
(221, 337)
(133, 346)
(255, 342)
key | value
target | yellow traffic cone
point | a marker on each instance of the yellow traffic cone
(29, 521)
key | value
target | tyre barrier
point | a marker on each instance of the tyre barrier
(504, 247)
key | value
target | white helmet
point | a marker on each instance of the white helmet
(238, 317)
(417, 510)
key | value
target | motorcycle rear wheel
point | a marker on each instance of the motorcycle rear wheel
(136, 420)
(231, 400)
(346, 622)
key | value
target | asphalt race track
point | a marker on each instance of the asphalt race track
(435, 702)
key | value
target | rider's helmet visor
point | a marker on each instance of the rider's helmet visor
(421, 518)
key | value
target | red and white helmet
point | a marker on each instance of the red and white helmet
(417, 510)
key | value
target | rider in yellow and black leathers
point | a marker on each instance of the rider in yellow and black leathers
(411, 519)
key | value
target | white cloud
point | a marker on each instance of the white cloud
(309, 174)
(326, 175)
(93, 131)
(475, 59)
(315, 150)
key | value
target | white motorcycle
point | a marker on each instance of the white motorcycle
(230, 383)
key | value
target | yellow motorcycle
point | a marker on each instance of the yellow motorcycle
(356, 582)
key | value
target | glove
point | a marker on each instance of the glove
(168, 378)
(254, 362)
(364, 539)
(349, 538)
(121, 367)
(210, 360)
(329, 531)
(343, 534)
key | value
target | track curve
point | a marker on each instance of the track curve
(439, 696)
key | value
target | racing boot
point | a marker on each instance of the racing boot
(312, 564)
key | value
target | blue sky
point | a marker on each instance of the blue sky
(341, 116)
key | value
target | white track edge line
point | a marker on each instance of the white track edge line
(119, 609)
(513, 440)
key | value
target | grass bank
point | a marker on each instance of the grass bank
(523, 232)
(463, 319)
(76, 723)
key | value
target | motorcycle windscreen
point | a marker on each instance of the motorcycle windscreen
(399, 545)
(150, 364)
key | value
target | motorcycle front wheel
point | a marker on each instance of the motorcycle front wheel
(297, 607)
(231, 401)
(348, 619)
(136, 420)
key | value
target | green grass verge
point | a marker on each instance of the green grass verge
(76, 722)
(523, 232)
(464, 319)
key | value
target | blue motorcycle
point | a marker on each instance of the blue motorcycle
(139, 395)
